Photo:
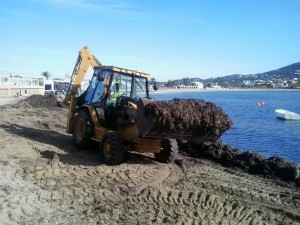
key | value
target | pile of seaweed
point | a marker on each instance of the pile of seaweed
(249, 161)
(41, 101)
(191, 117)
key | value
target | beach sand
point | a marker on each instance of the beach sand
(9, 100)
(45, 180)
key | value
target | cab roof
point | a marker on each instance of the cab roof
(123, 70)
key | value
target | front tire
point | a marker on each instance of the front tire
(169, 151)
(83, 130)
(111, 148)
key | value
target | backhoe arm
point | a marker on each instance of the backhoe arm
(84, 61)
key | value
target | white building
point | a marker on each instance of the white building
(195, 85)
(20, 86)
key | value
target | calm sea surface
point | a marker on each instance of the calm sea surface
(255, 128)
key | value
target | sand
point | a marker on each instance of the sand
(9, 100)
(45, 180)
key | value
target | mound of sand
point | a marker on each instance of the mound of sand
(40, 101)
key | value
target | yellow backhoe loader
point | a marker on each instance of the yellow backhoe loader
(106, 111)
(116, 111)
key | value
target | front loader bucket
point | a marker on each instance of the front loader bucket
(183, 119)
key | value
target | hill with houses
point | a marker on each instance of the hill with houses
(284, 77)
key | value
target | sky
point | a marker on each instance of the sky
(170, 39)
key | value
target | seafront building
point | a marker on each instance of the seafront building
(194, 85)
(16, 86)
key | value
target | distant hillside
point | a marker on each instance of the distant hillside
(290, 71)
(284, 73)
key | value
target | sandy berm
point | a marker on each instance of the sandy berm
(45, 180)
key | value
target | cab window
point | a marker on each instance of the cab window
(96, 87)
(139, 87)
(122, 83)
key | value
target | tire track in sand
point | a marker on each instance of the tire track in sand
(72, 187)
(199, 206)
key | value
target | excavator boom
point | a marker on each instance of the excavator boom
(84, 61)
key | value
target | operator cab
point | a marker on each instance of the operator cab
(112, 89)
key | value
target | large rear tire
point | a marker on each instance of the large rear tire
(169, 151)
(111, 149)
(83, 130)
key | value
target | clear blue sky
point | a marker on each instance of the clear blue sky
(169, 39)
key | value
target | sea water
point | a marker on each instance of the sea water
(255, 126)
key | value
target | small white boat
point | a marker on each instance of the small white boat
(287, 115)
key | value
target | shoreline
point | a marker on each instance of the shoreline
(13, 100)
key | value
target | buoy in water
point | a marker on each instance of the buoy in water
(262, 104)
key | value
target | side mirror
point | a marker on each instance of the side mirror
(155, 88)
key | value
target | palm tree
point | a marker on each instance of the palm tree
(46, 74)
